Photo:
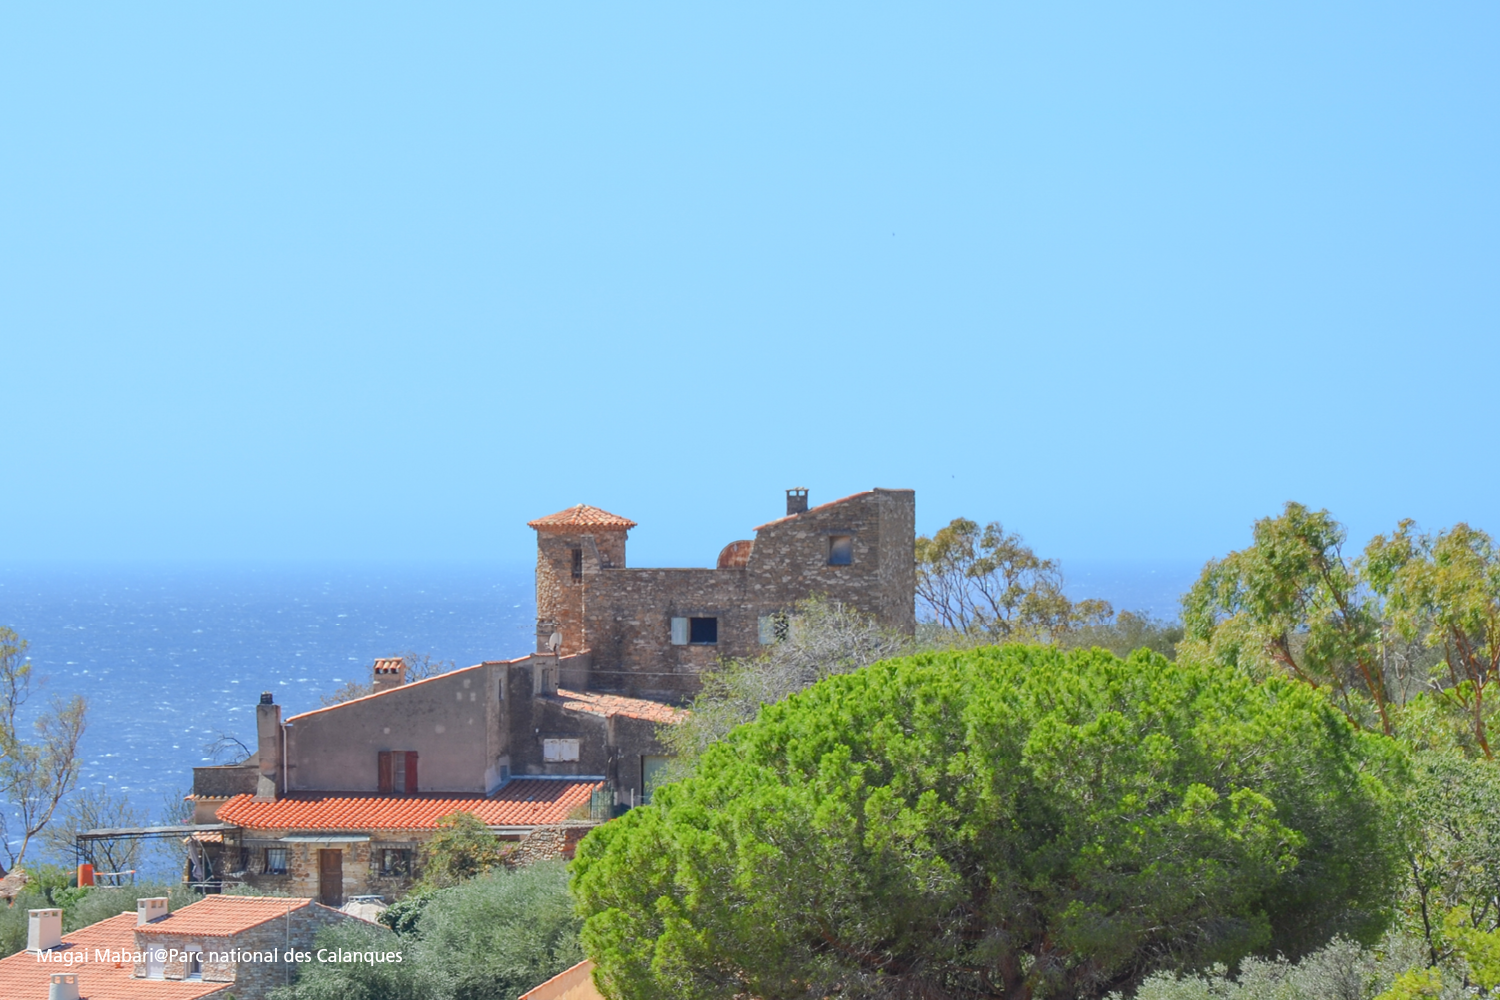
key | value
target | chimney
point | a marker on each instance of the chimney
(390, 672)
(796, 500)
(149, 909)
(43, 930)
(268, 736)
(64, 986)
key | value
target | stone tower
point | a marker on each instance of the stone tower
(573, 547)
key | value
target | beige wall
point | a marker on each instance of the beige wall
(575, 984)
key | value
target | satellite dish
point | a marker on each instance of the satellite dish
(555, 641)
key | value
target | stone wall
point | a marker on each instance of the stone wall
(548, 843)
(623, 615)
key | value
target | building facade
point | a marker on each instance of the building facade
(650, 632)
(220, 946)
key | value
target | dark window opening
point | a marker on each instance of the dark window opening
(578, 564)
(703, 631)
(840, 550)
(395, 862)
(276, 860)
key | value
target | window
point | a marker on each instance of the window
(559, 750)
(578, 564)
(679, 631)
(194, 960)
(396, 772)
(395, 862)
(773, 628)
(703, 631)
(156, 962)
(840, 550)
(276, 860)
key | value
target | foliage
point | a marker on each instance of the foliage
(1126, 633)
(419, 667)
(462, 848)
(1445, 590)
(1006, 820)
(404, 916)
(408, 979)
(52, 886)
(503, 933)
(988, 582)
(1292, 601)
(496, 935)
(1341, 971)
(823, 638)
(1450, 820)
(34, 774)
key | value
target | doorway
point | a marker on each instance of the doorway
(331, 877)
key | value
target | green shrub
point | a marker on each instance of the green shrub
(1011, 819)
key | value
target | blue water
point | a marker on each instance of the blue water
(169, 658)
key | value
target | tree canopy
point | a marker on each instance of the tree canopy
(1015, 822)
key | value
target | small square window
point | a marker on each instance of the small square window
(840, 550)
(703, 631)
(276, 860)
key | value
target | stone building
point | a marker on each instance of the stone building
(336, 802)
(650, 632)
(221, 946)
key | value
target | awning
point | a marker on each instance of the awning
(330, 838)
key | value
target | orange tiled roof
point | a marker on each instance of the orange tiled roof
(581, 516)
(223, 916)
(613, 704)
(523, 802)
(22, 977)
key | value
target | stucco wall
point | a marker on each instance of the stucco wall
(448, 720)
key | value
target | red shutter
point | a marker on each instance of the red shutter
(411, 772)
(383, 772)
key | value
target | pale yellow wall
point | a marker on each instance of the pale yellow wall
(575, 984)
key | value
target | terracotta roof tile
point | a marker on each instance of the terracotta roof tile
(606, 705)
(581, 516)
(22, 977)
(522, 802)
(224, 916)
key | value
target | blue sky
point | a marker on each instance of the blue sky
(374, 281)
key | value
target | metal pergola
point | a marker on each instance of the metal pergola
(83, 842)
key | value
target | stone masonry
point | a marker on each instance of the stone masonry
(859, 550)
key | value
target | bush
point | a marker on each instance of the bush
(495, 936)
(1011, 819)
(505, 932)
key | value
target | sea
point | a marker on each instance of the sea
(173, 657)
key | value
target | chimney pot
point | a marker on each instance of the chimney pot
(43, 930)
(266, 698)
(796, 500)
(151, 908)
(63, 986)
